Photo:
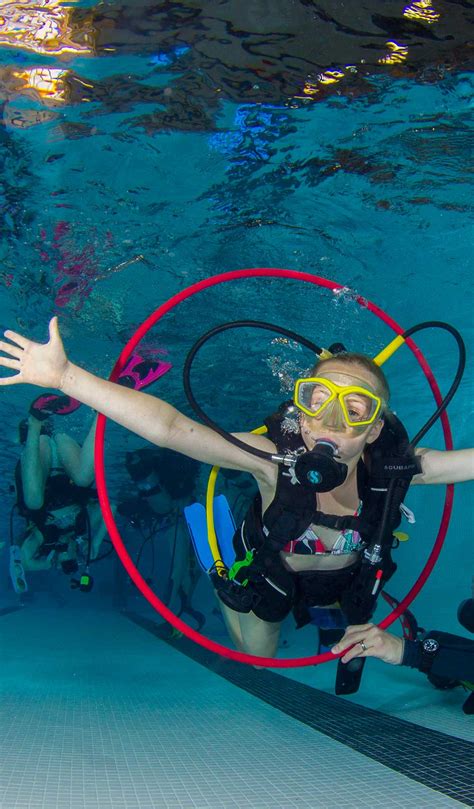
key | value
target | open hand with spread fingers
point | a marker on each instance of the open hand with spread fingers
(35, 363)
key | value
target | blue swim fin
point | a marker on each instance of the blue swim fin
(224, 523)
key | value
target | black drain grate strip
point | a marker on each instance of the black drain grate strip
(434, 759)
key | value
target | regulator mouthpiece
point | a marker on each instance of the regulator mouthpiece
(318, 469)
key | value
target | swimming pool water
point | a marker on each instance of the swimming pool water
(130, 173)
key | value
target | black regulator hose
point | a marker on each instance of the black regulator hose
(268, 456)
(438, 324)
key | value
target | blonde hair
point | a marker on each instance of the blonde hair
(363, 361)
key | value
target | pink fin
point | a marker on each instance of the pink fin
(49, 404)
(140, 373)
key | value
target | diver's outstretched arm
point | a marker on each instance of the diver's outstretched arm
(445, 466)
(453, 660)
(28, 550)
(153, 419)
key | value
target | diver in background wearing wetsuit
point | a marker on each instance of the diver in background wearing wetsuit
(165, 483)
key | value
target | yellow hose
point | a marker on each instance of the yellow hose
(387, 352)
(211, 531)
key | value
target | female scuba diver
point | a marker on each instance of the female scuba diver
(53, 483)
(301, 554)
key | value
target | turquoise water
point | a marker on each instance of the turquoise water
(141, 172)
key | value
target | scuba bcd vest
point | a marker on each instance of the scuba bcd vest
(59, 492)
(382, 478)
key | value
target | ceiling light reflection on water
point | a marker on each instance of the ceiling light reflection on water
(43, 27)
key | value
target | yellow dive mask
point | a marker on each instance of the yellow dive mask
(316, 396)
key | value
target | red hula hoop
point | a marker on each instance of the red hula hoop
(117, 541)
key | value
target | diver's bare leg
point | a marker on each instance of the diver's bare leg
(250, 634)
(232, 622)
(35, 465)
(77, 461)
(259, 637)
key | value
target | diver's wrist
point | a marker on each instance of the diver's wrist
(400, 653)
(67, 372)
(411, 654)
